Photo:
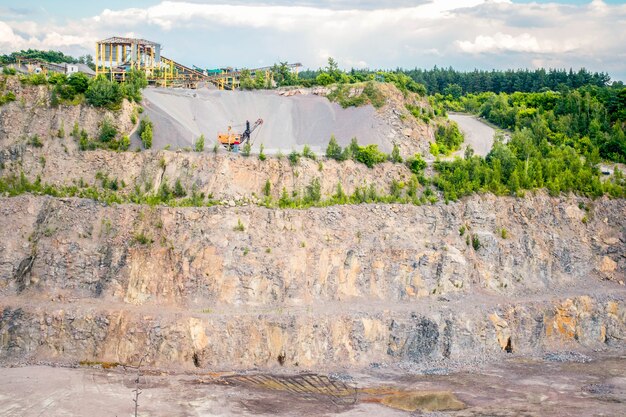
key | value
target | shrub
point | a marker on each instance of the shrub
(308, 153)
(35, 141)
(240, 227)
(262, 156)
(124, 143)
(145, 132)
(57, 78)
(416, 164)
(370, 155)
(333, 150)
(34, 79)
(102, 92)
(142, 239)
(6, 98)
(313, 191)
(199, 146)
(76, 131)
(375, 97)
(475, 242)
(107, 131)
(448, 137)
(294, 158)
(247, 148)
(267, 188)
(79, 82)
(395, 155)
(9, 71)
(179, 191)
(66, 92)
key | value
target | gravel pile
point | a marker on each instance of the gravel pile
(180, 116)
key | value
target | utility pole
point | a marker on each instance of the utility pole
(137, 390)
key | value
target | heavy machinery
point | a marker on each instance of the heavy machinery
(232, 141)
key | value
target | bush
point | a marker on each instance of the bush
(179, 191)
(416, 164)
(124, 143)
(102, 92)
(333, 150)
(262, 156)
(35, 141)
(199, 146)
(475, 242)
(8, 71)
(6, 98)
(395, 155)
(145, 132)
(34, 79)
(247, 148)
(66, 92)
(267, 189)
(370, 155)
(308, 153)
(294, 158)
(313, 191)
(107, 131)
(79, 82)
(57, 78)
(448, 137)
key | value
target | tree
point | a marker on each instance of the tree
(333, 150)
(102, 92)
(107, 131)
(78, 81)
(199, 145)
(395, 154)
(324, 79)
(245, 80)
(179, 191)
(259, 80)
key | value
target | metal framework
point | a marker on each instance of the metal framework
(116, 56)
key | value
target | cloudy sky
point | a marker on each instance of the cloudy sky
(465, 34)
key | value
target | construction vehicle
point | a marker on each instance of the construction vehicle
(232, 141)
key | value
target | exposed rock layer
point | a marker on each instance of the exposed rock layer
(348, 285)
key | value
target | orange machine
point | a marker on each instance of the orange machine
(231, 140)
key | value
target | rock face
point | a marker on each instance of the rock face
(349, 285)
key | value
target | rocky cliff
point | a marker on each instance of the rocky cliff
(241, 287)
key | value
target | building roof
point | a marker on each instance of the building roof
(118, 40)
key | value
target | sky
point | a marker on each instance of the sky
(376, 34)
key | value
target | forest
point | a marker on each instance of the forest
(558, 140)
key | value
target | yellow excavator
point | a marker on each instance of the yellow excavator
(231, 140)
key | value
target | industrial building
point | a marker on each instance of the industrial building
(116, 56)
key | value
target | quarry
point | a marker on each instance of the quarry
(237, 298)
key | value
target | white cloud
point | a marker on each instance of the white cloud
(524, 42)
(462, 33)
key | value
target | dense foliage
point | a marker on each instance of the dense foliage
(48, 56)
(589, 119)
(526, 162)
(451, 81)
(456, 83)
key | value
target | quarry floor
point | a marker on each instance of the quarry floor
(565, 384)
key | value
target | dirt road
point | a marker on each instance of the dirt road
(477, 133)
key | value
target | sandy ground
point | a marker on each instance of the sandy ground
(565, 384)
(181, 116)
(477, 133)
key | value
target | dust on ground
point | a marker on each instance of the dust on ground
(519, 386)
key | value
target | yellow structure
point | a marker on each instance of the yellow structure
(115, 56)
